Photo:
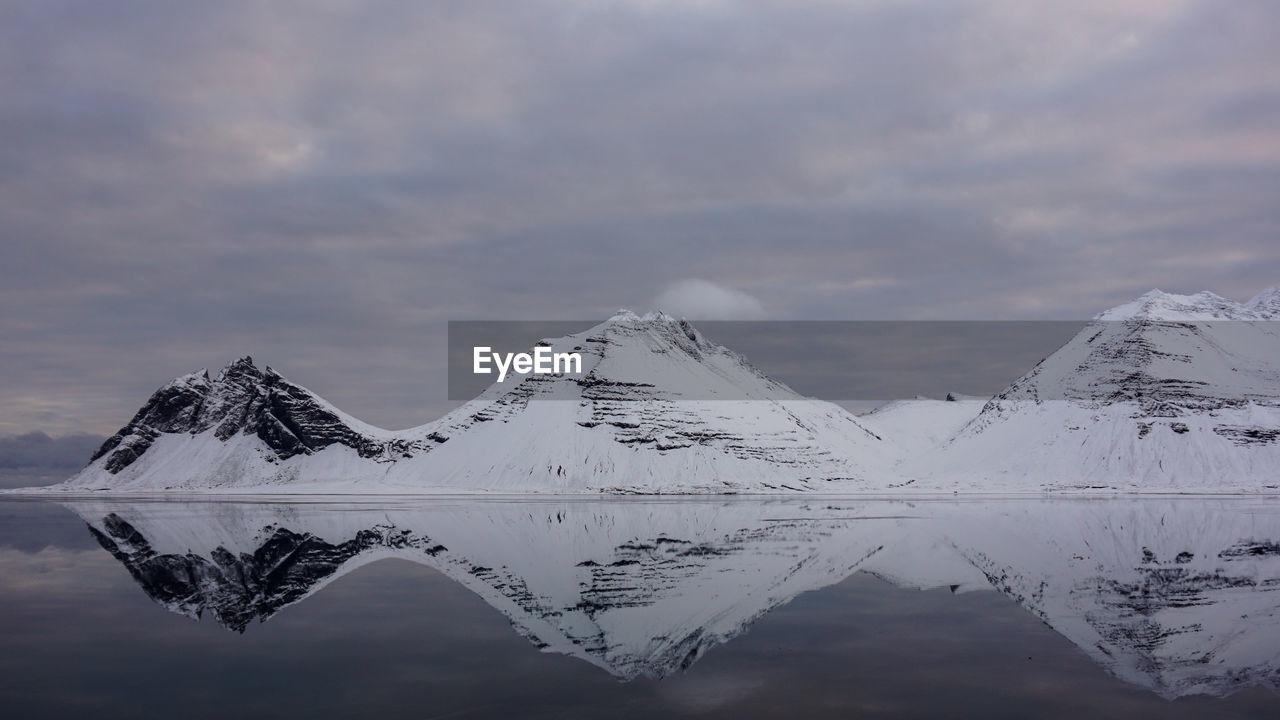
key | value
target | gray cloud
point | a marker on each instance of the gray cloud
(38, 451)
(325, 184)
(697, 299)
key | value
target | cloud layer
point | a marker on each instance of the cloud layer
(37, 451)
(325, 184)
(703, 300)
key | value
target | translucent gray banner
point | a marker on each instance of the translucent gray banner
(831, 360)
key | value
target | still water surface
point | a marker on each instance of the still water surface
(641, 608)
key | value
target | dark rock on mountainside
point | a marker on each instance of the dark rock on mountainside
(287, 418)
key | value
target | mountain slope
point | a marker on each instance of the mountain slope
(286, 418)
(1170, 392)
(658, 408)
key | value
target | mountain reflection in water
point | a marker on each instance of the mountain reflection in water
(1175, 595)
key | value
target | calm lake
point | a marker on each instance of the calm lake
(735, 608)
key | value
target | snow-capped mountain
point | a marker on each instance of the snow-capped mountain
(1157, 305)
(643, 416)
(1265, 305)
(1169, 392)
(1178, 596)
(285, 420)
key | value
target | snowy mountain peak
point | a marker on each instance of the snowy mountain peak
(1175, 391)
(243, 367)
(653, 406)
(1266, 304)
(658, 407)
(198, 377)
(1160, 306)
(658, 316)
(624, 316)
(1157, 305)
(244, 401)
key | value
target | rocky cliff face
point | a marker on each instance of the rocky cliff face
(1168, 355)
(1169, 392)
(287, 419)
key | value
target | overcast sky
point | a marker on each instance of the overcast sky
(323, 184)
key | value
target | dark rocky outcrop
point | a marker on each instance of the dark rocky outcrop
(287, 418)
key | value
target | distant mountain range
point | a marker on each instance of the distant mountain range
(1166, 393)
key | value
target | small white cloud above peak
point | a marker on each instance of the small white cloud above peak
(698, 299)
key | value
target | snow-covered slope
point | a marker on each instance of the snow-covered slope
(1176, 595)
(1202, 306)
(658, 408)
(1167, 393)
(922, 425)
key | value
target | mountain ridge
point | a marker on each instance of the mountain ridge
(1202, 306)
(1149, 396)
(639, 418)
(1178, 393)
